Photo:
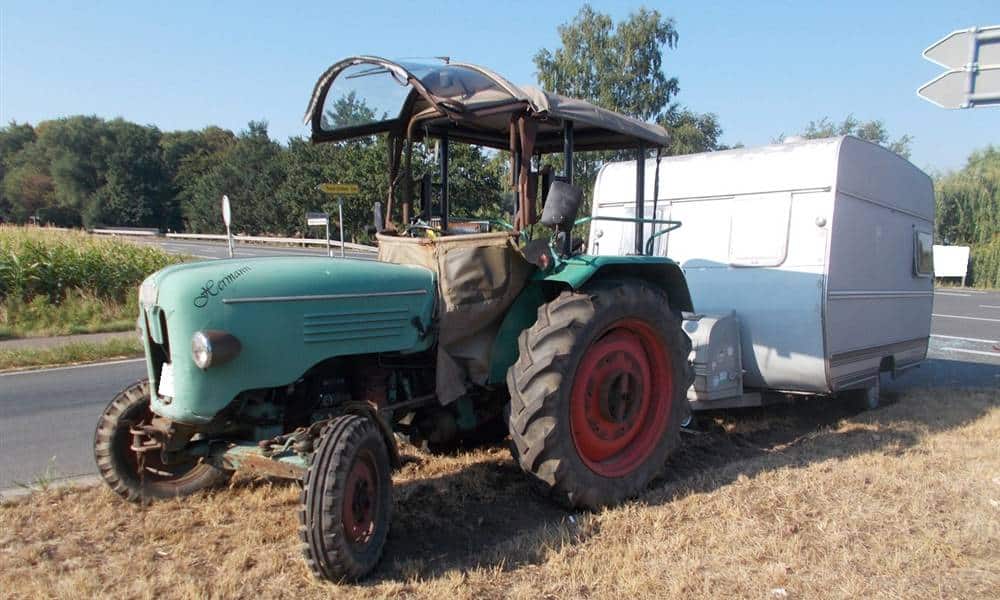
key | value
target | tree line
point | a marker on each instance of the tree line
(88, 171)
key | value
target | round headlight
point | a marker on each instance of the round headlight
(213, 348)
(201, 350)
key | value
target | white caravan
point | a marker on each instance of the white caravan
(809, 263)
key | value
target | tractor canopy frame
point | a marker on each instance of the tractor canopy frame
(448, 101)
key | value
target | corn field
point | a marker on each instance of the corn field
(39, 262)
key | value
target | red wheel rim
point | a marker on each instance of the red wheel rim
(621, 397)
(361, 500)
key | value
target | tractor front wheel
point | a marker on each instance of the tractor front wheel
(598, 392)
(139, 478)
(346, 500)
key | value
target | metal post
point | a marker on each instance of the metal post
(329, 246)
(568, 174)
(568, 151)
(444, 182)
(229, 238)
(640, 199)
(340, 211)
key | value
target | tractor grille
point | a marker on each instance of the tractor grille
(354, 325)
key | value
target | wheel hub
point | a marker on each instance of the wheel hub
(360, 501)
(620, 399)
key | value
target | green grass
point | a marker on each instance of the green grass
(79, 312)
(77, 352)
(58, 282)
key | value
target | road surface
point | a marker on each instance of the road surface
(47, 417)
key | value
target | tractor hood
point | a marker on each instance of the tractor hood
(287, 313)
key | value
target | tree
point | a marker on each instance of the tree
(13, 138)
(619, 66)
(250, 172)
(968, 201)
(616, 66)
(691, 132)
(872, 131)
(135, 186)
(187, 155)
(968, 213)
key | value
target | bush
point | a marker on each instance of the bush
(38, 262)
(986, 264)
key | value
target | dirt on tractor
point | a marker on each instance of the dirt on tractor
(805, 500)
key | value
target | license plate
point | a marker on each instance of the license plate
(166, 387)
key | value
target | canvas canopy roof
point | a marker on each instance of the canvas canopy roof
(365, 95)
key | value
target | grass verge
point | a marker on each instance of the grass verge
(78, 312)
(76, 352)
(803, 501)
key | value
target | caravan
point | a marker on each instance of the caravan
(809, 263)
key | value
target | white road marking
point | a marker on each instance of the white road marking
(950, 294)
(50, 369)
(979, 352)
(967, 318)
(988, 306)
(965, 339)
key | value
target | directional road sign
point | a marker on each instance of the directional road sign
(972, 57)
(339, 189)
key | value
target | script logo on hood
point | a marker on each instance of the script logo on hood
(212, 288)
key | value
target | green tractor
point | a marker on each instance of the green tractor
(311, 368)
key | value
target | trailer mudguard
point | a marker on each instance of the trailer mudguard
(574, 273)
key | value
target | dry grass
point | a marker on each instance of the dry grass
(799, 501)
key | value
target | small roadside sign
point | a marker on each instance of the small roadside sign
(317, 219)
(339, 189)
(972, 57)
(227, 218)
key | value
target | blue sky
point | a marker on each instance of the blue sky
(764, 67)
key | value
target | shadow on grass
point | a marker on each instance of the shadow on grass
(490, 515)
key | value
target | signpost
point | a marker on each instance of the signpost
(972, 57)
(317, 219)
(227, 218)
(339, 190)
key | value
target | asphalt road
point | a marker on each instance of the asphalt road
(47, 417)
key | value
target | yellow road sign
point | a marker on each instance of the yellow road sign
(339, 189)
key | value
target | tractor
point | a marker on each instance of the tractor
(314, 368)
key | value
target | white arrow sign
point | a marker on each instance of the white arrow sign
(973, 59)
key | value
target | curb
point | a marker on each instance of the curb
(18, 494)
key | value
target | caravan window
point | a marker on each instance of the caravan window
(923, 253)
(758, 229)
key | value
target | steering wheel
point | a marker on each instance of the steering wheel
(414, 227)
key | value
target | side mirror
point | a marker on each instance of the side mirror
(561, 205)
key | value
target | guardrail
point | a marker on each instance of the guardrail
(253, 239)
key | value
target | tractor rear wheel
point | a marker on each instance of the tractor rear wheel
(141, 478)
(346, 500)
(598, 392)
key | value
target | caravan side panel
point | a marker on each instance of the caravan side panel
(750, 243)
(878, 306)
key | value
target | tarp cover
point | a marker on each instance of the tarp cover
(479, 276)
(441, 88)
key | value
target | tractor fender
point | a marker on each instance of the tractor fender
(574, 273)
(658, 271)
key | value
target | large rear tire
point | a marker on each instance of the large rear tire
(346, 500)
(598, 392)
(119, 465)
